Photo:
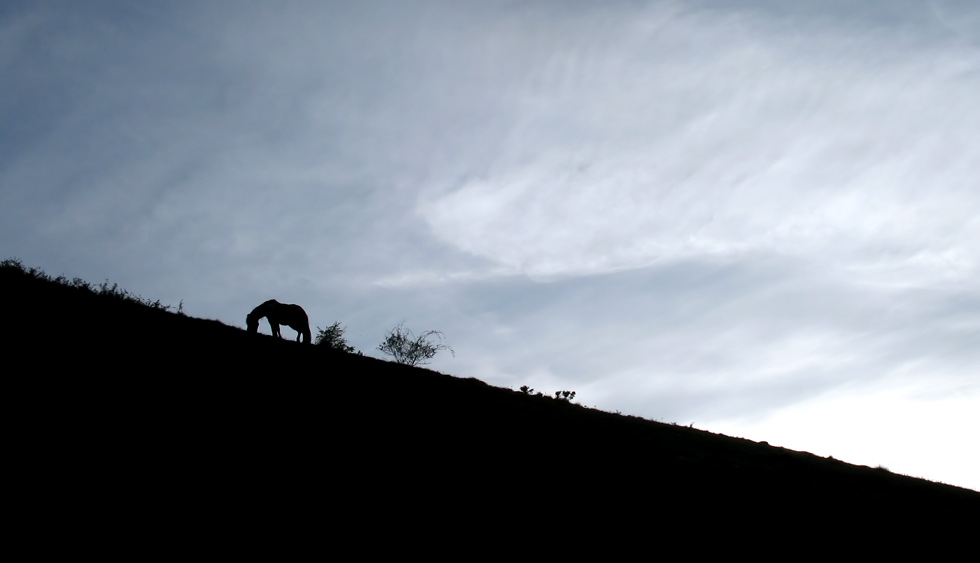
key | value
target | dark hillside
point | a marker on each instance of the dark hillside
(134, 408)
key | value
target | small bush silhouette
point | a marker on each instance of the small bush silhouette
(560, 395)
(333, 337)
(406, 348)
(528, 391)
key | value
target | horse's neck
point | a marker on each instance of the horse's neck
(264, 310)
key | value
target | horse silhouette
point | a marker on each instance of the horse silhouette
(278, 313)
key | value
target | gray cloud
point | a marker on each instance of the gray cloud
(764, 153)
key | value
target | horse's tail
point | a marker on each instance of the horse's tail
(307, 337)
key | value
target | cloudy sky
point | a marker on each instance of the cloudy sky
(754, 216)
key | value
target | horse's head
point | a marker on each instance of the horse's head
(252, 323)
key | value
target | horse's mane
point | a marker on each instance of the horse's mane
(262, 310)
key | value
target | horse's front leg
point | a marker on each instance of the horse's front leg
(275, 330)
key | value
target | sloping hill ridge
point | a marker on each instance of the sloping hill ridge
(124, 405)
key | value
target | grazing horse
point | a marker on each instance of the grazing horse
(278, 313)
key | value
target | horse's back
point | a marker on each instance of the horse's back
(286, 313)
(295, 311)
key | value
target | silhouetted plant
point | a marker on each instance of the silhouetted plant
(528, 391)
(406, 348)
(560, 395)
(564, 395)
(103, 289)
(333, 337)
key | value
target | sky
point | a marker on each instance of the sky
(756, 217)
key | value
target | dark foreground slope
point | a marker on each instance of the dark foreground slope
(149, 414)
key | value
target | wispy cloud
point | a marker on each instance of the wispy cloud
(754, 134)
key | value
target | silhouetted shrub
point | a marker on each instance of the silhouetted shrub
(528, 391)
(401, 344)
(333, 337)
(560, 395)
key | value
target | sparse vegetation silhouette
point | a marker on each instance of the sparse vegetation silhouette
(16, 267)
(529, 391)
(333, 337)
(406, 348)
(566, 396)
